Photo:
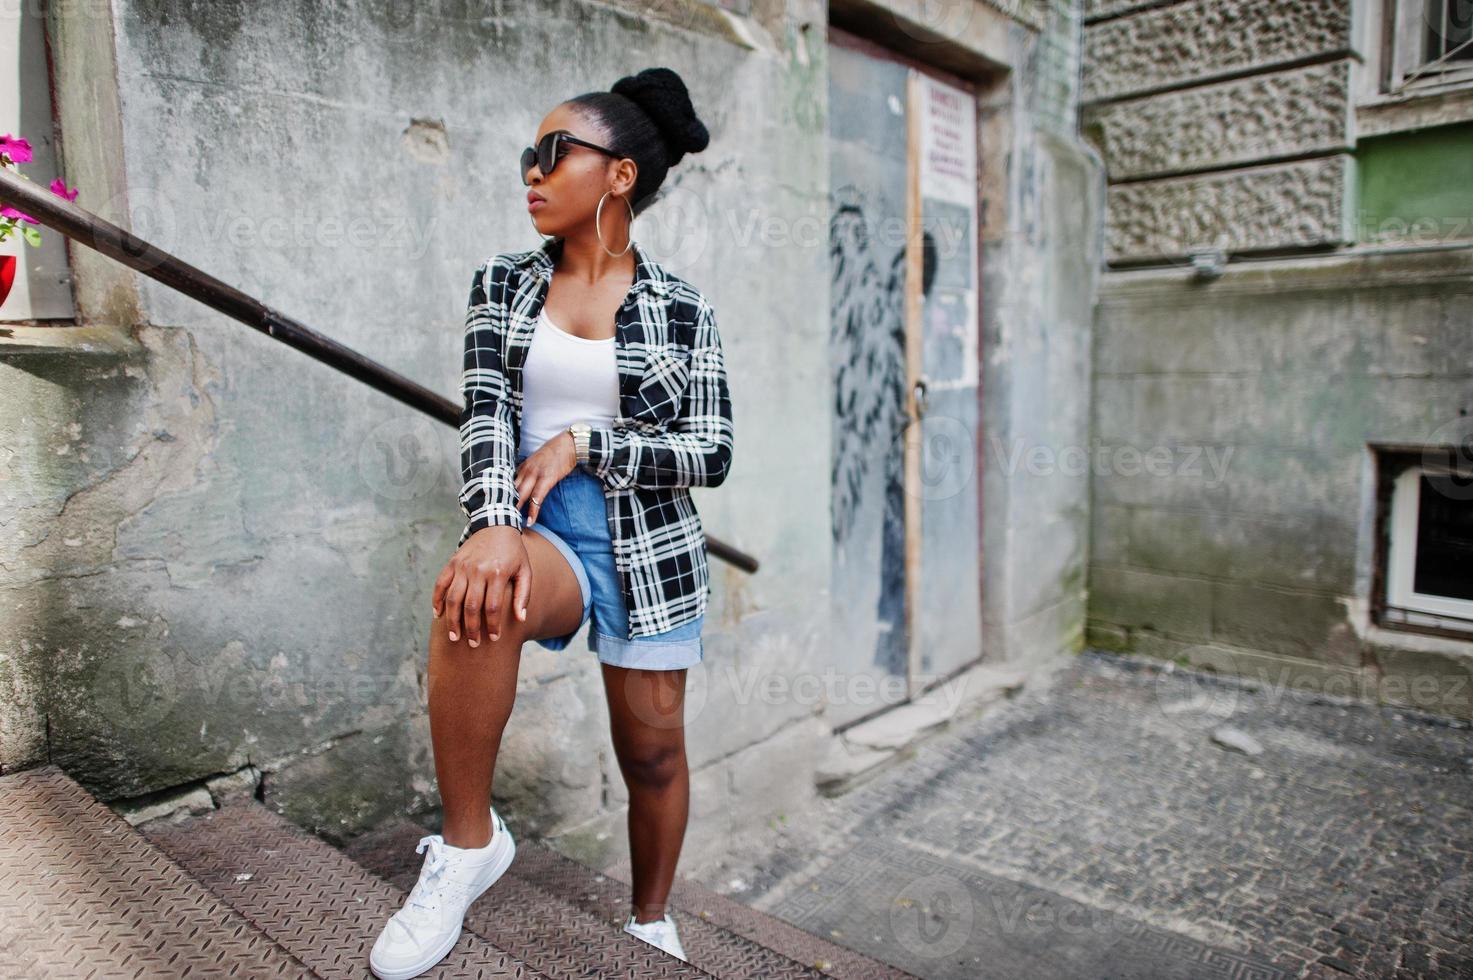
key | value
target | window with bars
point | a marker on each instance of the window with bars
(1432, 45)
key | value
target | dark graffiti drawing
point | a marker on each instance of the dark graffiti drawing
(868, 355)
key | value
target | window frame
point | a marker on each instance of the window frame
(1406, 57)
(1401, 606)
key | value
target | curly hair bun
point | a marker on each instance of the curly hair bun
(663, 96)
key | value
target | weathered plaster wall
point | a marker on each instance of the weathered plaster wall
(1234, 514)
(1041, 205)
(221, 553)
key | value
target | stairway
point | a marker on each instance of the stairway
(241, 891)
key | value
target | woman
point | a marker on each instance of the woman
(595, 397)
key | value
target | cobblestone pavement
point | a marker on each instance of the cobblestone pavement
(1092, 827)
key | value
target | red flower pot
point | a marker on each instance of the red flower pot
(7, 275)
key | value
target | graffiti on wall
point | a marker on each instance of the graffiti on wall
(867, 345)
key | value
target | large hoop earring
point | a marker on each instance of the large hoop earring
(545, 238)
(599, 231)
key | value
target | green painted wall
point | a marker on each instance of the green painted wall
(1416, 187)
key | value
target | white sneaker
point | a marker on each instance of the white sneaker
(661, 932)
(421, 933)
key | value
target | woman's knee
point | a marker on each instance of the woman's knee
(656, 765)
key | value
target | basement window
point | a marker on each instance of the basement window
(1427, 571)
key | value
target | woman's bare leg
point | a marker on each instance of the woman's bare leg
(472, 690)
(647, 712)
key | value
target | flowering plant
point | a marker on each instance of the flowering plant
(13, 150)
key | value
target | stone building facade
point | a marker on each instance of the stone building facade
(1283, 344)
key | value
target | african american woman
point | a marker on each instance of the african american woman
(595, 397)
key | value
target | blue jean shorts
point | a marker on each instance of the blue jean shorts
(574, 517)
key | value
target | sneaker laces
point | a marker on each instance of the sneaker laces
(424, 896)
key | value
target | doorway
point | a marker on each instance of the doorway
(903, 243)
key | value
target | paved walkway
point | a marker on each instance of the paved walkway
(1095, 828)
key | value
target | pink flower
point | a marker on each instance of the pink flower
(15, 147)
(58, 187)
(9, 212)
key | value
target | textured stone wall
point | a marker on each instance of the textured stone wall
(1171, 46)
(1295, 205)
(1208, 127)
(1191, 105)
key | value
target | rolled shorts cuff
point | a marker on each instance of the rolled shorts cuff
(684, 649)
(584, 585)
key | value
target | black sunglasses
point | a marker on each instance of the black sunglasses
(550, 150)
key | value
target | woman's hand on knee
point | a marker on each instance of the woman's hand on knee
(470, 588)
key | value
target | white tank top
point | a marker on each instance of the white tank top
(566, 379)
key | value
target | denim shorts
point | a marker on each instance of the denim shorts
(574, 517)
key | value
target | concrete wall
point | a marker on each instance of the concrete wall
(220, 553)
(1234, 512)
(1041, 257)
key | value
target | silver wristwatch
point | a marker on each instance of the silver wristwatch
(580, 431)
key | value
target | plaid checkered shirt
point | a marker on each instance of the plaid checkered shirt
(673, 430)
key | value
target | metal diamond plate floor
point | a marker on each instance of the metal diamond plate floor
(312, 899)
(82, 894)
(241, 891)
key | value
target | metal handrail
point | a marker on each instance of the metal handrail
(117, 243)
